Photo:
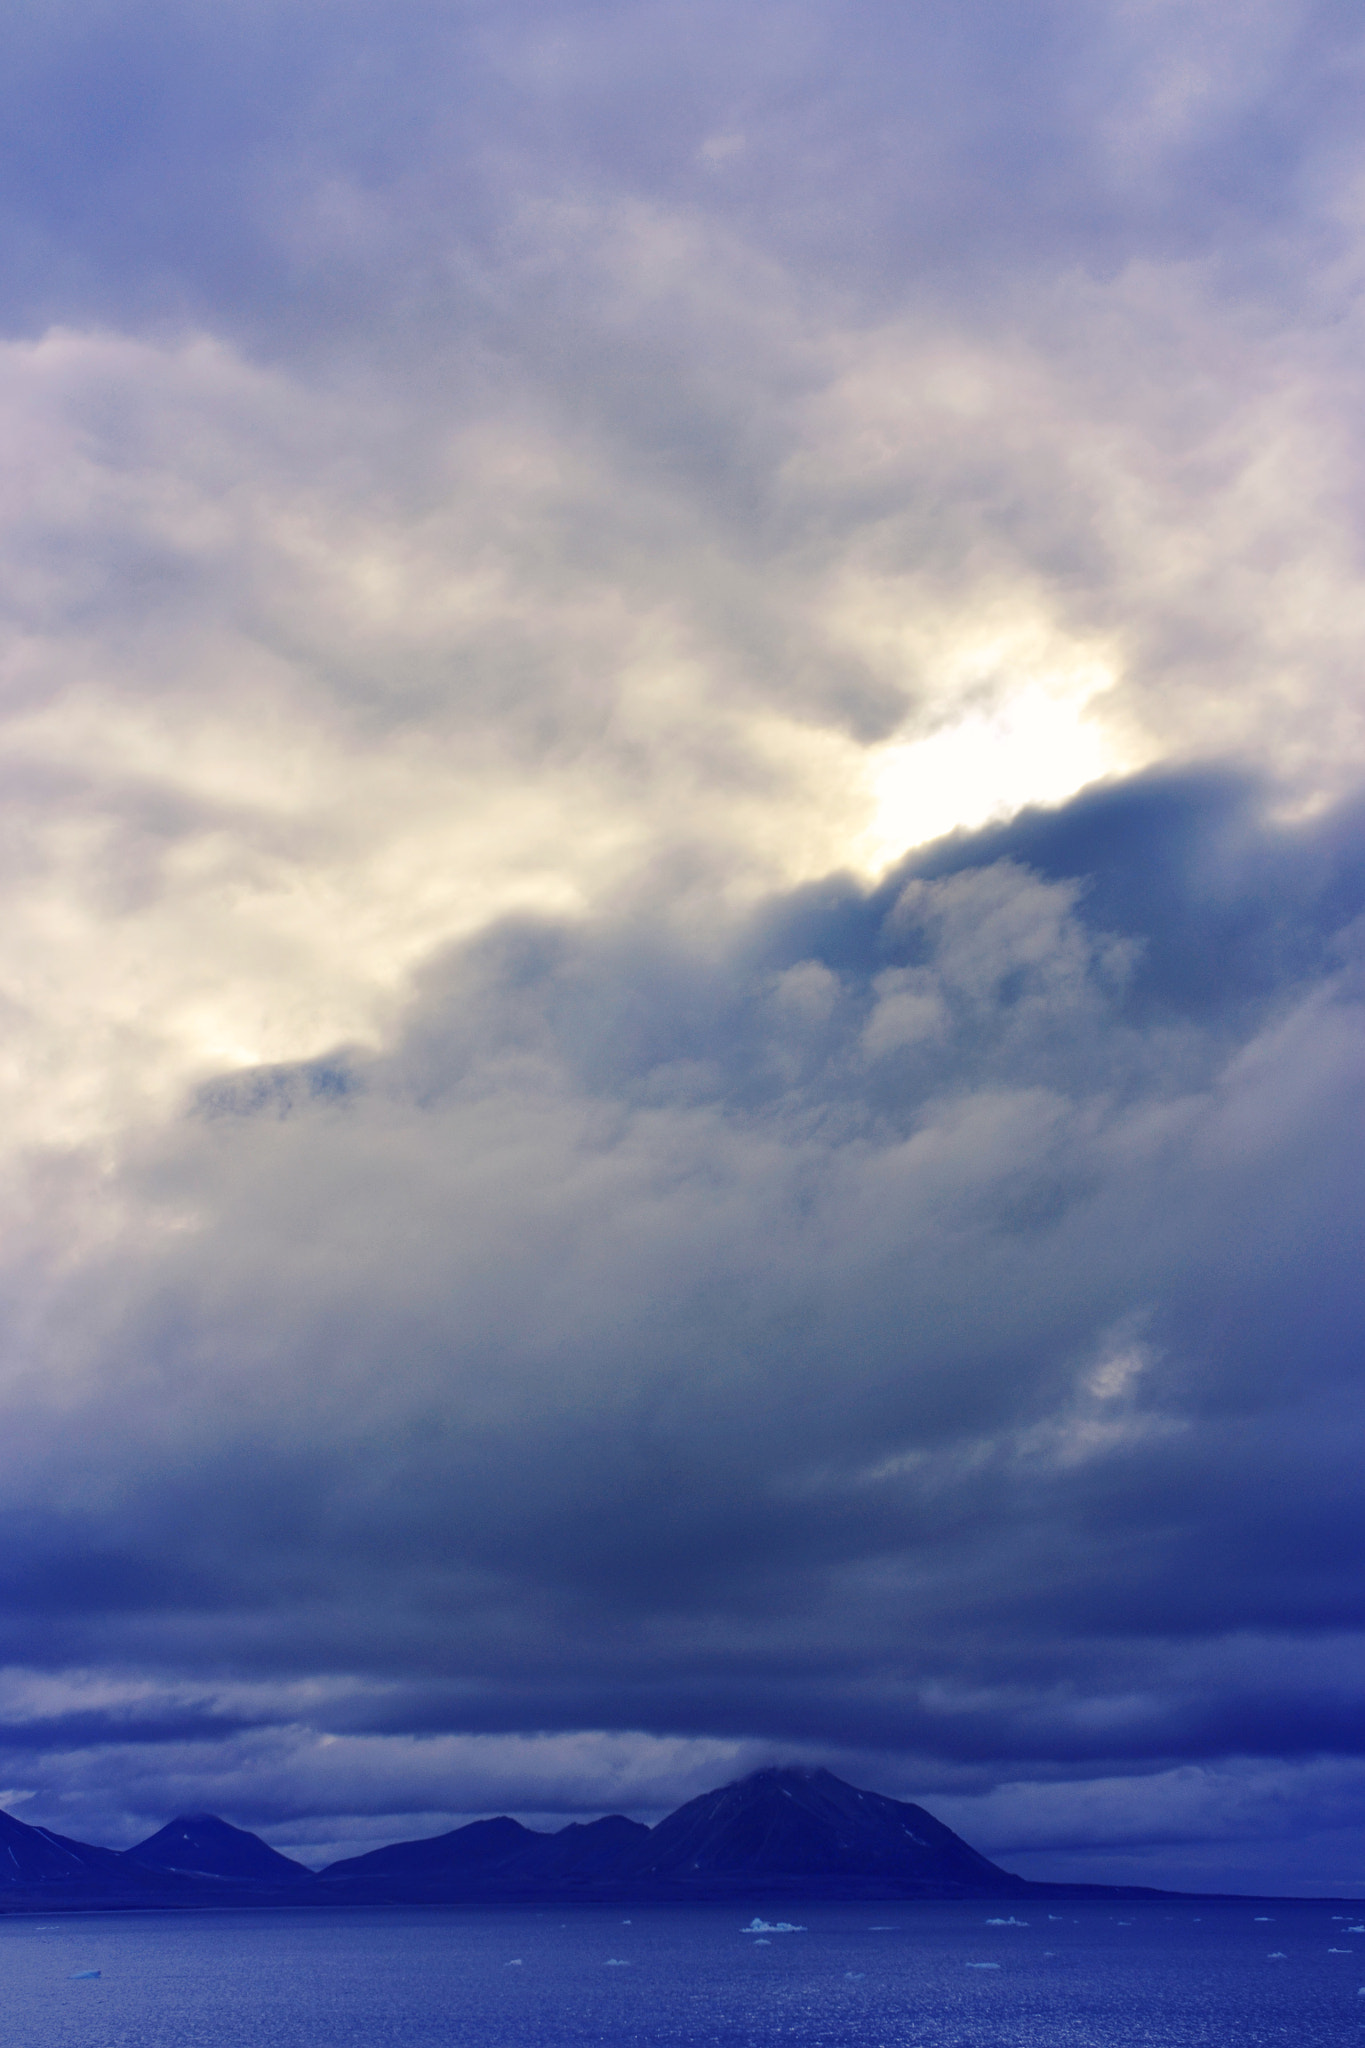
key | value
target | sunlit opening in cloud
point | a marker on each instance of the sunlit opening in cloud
(1038, 745)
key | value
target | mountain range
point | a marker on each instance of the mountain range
(777, 1834)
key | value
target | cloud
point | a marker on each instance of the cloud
(922, 1323)
(310, 674)
(681, 889)
(252, 167)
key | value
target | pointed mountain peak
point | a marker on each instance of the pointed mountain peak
(205, 1845)
(795, 1825)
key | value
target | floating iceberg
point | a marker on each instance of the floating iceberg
(1277, 1955)
(1012, 1922)
(983, 1966)
(757, 1926)
(855, 1974)
(514, 1964)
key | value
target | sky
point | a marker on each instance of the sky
(682, 918)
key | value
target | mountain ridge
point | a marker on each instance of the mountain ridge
(782, 1833)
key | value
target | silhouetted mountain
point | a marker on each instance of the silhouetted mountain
(202, 1845)
(476, 1849)
(44, 1871)
(583, 1851)
(30, 1856)
(494, 1859)
(786, 1831)
(779, 1833)
(806, 1830)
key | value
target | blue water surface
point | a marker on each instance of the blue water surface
(1154, 1975)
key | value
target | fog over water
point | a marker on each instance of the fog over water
(683, 876)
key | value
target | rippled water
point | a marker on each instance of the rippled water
(1153, 1975)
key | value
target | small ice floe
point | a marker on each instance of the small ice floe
(854, 1975)
(763, 1942)
(1123, 1923)
(77, 1975)
(617, 1963)
(1277, 1955)
(1011, 1922)
(1264, 1919)
(757, 1926)
(1054, 1916)
(1338, 1951)
(881, 1929)
(514, 1964)
(1356, 1930)
(625, 1923)
(983, 1966)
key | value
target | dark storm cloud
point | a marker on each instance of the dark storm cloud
(1225, 913)
(926, 1321)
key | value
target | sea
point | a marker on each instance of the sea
(1154, 1974)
